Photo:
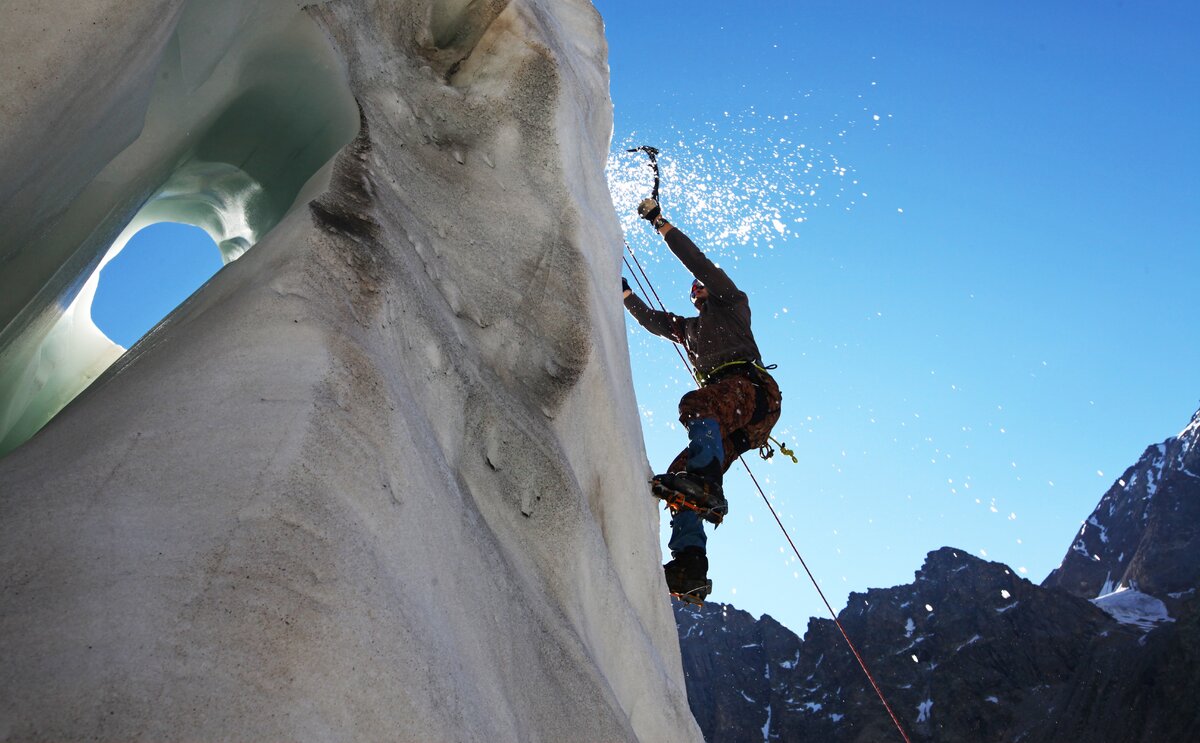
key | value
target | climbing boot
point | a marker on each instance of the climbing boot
(704, 495)
(687, 575)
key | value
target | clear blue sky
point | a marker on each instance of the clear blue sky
(972, 352)
(159, 267)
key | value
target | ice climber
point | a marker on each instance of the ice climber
(732, 412)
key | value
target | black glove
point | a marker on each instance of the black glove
(624, 286)
(649, 210)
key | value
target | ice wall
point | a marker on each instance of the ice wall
(381, 477)
(246, 103)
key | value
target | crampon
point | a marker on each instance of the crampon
(676, 501)
(695, 596)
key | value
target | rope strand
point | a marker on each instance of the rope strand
(845, 636)
(661, 306)
(857, 656)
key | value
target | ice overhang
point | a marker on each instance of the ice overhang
(247, 108)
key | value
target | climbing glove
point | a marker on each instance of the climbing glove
(624, 286)
(649, 210)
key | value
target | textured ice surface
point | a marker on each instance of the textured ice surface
(234, 129)
(382, 476)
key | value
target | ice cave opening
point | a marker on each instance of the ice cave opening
(160, 267)
(233, 138)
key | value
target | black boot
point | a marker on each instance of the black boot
(687, 574)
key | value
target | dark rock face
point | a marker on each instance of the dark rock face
(1145, 693)
(959, 653)
(971, 652)
(1145, 530)
(747, 665)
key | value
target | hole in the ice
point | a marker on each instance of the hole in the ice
(160, 267)
(235, 137)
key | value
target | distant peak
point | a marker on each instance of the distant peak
(948, 559)
(1192, 430)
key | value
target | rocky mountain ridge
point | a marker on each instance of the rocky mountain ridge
(1145, 530)
(970, 651)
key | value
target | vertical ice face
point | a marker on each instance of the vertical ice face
(382, 476)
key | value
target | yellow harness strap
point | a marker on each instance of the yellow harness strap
(702, 377)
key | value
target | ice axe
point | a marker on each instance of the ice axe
(652, 153)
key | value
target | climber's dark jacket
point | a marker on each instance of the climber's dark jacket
(721, 333)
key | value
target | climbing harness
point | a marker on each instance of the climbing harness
(652, 153)
(712, 375)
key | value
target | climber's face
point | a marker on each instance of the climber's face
(699, 294)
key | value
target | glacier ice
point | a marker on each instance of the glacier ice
(227, 143)
(382, 476)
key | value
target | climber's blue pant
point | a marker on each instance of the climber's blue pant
(687, 530)
(706, 453)
(705, 456)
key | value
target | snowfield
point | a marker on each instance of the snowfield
(1130, 606)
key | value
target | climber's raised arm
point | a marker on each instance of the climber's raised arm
(660, 323)
(718, 283)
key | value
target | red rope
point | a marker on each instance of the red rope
(857, 656)
(661, 306)
(862, 664)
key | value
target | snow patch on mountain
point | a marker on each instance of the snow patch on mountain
(968, 643)
(924, 709)
(1130, 606)
(1191, 432)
